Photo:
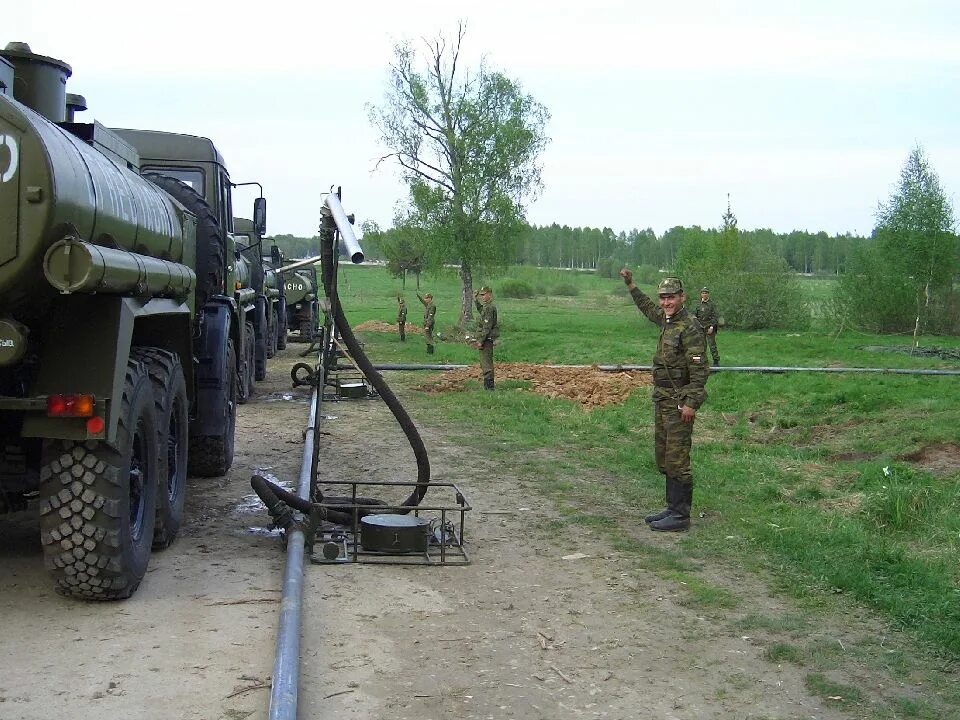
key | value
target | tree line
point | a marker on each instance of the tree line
(468, 144)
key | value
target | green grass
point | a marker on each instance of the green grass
(804, 478)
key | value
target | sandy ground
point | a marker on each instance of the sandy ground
(538, 625)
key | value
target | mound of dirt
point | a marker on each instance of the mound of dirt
(377, 326)
(586, 385)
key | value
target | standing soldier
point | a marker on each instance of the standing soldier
(488, 331)
(707, 315)
(402, 318)
(679, 377)
(429, 316)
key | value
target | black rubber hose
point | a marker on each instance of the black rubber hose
(376, 379)
(274, 497)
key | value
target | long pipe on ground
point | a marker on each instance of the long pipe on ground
(286, 665)
(722, 368)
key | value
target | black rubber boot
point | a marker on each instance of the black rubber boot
(653, 517)
(679, 498)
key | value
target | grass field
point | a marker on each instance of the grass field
(841, 487)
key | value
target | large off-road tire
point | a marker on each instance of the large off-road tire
(98, 505)
(260, 349)
(173, 439)
(272, 330)
(210, 237)
(246, 372)
(308, 325)
(281, 327)
(212, 455)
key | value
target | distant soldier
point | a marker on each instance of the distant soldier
(429, 317)
(488, 331)
(707, 315)
(680, 374)
(402, 318)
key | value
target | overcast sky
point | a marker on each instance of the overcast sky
(804, 115)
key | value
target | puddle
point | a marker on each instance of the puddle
(285, 397)
(265, 532)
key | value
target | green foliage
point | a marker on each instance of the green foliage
(902, 503)
(607, 268)
(294, 247)
(468, 145)
(751, 287)
(903, 280)
(516, 289)
(565, 290)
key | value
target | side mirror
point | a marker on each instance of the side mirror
(260, 216)
(275, 257)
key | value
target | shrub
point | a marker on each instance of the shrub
(566, 290)
(516, 289)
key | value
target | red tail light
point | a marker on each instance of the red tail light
(70, 405)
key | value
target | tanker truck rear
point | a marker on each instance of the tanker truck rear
(118, 342)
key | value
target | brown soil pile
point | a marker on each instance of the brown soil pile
(377, 326)
(586, 385)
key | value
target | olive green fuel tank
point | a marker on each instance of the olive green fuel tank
(54, 185)
(300, 286)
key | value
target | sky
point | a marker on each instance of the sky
(804, 113)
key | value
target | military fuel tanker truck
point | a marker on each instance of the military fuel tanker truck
(118, 340)
(303, 302)
(270, 301)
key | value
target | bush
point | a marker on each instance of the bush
(566, 290)
(516, 289)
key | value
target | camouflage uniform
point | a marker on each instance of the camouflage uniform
(429, 316)
(402, 319)
(488, 331)
(680, 375)
(707, 315)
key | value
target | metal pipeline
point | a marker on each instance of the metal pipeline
(347, 236)
(286, 666)
(722, 368)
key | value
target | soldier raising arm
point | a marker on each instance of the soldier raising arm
(679, 377)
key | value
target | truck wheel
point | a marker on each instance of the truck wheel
(308, 326)
(171, 405)
(260, 349)
(210, 239)
(281, 329)
(245, 373)
(212, 455)
(98, 505)
(271, 332)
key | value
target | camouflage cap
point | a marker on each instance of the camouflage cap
(485, 289)
(704, 290)
(670, 286)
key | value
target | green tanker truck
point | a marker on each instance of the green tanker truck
(303, 302)
(119, 340)
(270, 300)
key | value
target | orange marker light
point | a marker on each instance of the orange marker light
(70, 405)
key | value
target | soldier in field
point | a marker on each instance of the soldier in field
(680, 374)
(488, 331)
(402, 318)
(429, 317)
(706, 313)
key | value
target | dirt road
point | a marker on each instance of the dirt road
(537, 626)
